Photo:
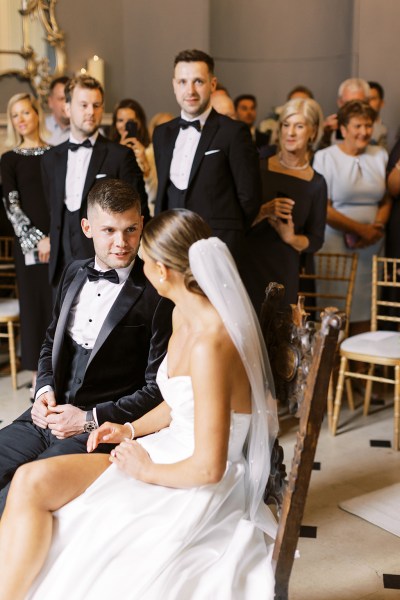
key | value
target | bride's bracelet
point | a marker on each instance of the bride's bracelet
(132, 430)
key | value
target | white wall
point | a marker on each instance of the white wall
(377, 51)
(266, 47)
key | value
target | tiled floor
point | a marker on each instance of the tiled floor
(349, 556)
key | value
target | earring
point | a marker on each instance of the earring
(162, 279)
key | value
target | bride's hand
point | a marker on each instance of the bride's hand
(132, 459)
(108, 433)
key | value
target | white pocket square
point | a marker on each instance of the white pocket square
(101, 175)
(211, 152)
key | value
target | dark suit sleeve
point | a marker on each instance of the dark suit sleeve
(45, 374)
(245, 169)
(129, 408)
(131, 173)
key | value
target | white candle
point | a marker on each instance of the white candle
(95, 68)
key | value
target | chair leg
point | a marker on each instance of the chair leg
(11, 346)
(368, 391)
(330, 401)
(338, 396)
(396, 407)
(349, 394)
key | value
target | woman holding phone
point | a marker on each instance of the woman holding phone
(129, 127)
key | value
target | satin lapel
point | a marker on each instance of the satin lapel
(60, 174)
(97, 159)
(70, 296)
(128, 296)
(207, 135)
(167, 151)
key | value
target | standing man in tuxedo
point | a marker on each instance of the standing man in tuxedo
(206, 162)
(101, 353)
(72, 168)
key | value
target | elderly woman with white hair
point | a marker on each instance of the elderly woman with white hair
(29, 215)
(292, 217)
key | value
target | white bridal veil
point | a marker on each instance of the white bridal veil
(215, 271)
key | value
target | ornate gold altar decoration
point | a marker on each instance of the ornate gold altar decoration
(37, 68)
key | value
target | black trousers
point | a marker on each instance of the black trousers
(23, 442)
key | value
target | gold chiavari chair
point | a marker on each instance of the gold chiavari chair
(376, 347)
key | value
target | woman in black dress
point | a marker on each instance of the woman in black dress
(28, 213)
(291, 220)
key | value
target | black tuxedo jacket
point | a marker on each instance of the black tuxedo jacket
(120, 377)
(224, 184)
(109, 159)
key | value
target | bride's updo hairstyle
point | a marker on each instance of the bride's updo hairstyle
(168, 237)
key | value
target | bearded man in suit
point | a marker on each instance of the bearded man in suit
(206, 162)
(72, 168)
(101, 353)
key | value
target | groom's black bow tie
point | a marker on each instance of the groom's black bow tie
(185, 124)
(74, 147)
(95, 275)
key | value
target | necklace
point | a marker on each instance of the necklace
(301, 168)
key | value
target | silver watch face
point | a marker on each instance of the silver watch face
(89, 426)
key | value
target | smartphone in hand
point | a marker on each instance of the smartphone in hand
(131, 128)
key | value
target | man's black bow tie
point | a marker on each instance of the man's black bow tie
(95, 275)
(74, 147)
(185, 124)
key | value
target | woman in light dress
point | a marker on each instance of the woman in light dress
(358, 207)
(180, 513)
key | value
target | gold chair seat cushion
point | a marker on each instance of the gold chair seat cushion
(383, 344)
(9, 308)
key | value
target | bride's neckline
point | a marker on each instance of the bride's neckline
(177, 376)
(170, 377)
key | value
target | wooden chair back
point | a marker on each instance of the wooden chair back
(385, 278)
(332, 283)
(313, 371)
(8, 277)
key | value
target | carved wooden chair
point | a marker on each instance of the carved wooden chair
(376, 347)
(332, 284)
(302, 359)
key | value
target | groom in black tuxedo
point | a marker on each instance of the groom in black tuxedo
(206, 162)
(71, 169)
(103, 348)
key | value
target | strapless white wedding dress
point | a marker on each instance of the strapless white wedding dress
(124, 539)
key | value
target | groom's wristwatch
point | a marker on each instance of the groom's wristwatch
(90, 424)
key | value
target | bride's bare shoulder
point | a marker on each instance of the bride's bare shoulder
(214, 343)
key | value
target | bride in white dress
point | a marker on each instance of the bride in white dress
(179, 514)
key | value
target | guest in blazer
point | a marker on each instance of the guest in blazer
(102, 350)
(72, 168)
(206, 162)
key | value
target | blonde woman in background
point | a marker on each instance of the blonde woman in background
(292, 217)
(26, 209)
